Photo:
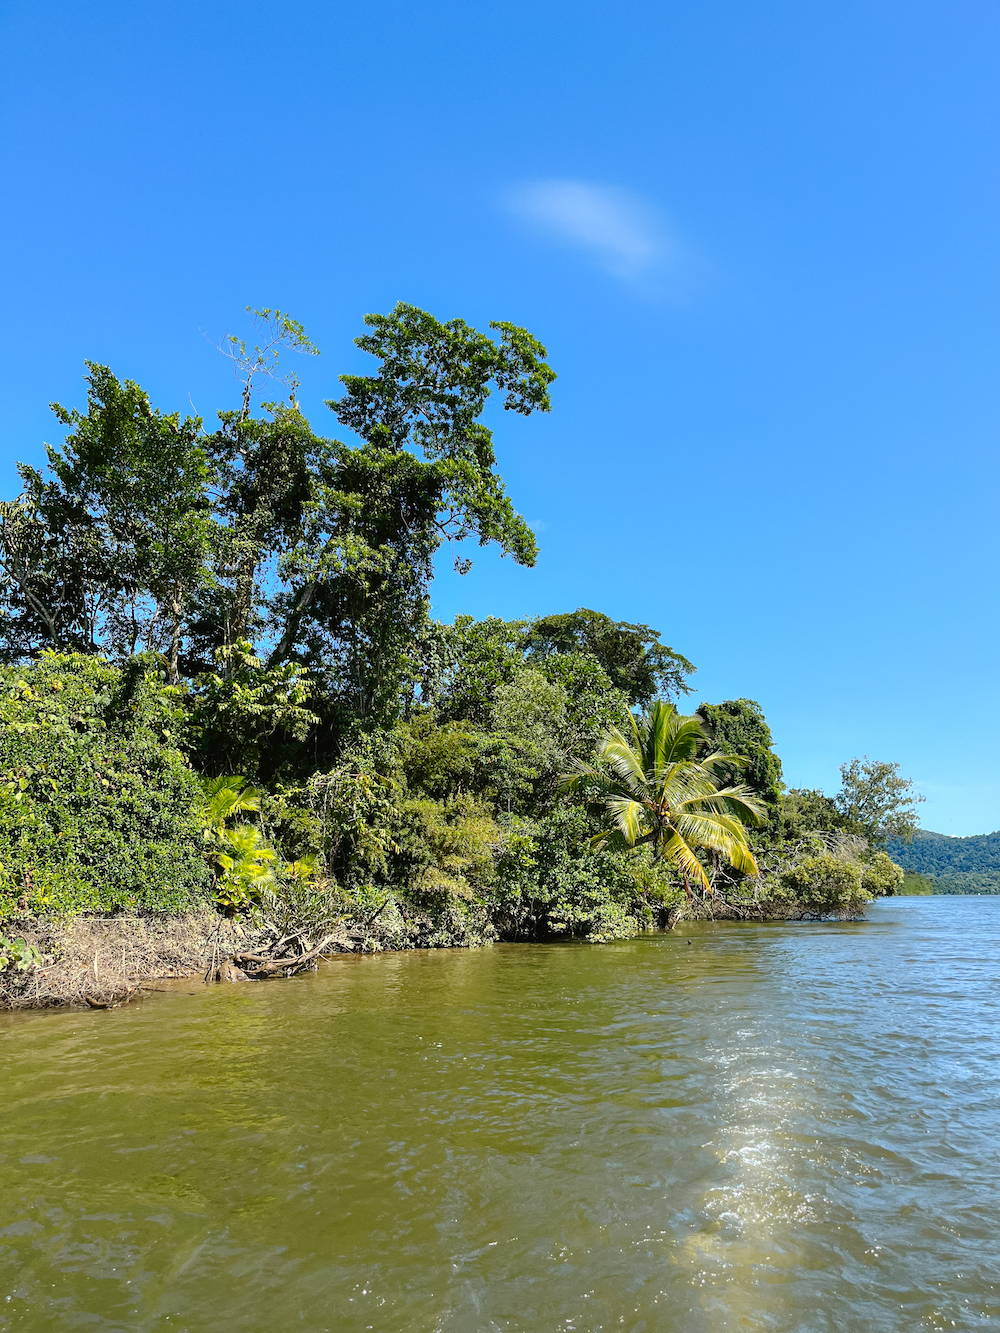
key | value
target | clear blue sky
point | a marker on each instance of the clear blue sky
(759, 240)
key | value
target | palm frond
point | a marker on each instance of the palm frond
(629, 818)
(616, 752)
(678, 854)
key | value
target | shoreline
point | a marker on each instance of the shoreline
(103, 962)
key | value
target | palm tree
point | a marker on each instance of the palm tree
(246, 868)
(227, 797)
(657, 791)
(240, 855)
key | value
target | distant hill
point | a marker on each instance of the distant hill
(953, 865)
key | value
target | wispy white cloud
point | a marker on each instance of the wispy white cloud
(619, 228)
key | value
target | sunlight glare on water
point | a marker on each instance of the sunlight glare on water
(771, 1128)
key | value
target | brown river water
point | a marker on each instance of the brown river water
(777, 1127)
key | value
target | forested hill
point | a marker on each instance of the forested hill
(954, 865)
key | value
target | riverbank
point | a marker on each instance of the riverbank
(106, 961)
(103, 962)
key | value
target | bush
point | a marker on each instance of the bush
(880, 876)
(549, 884)
(99, 811)
(825, 884)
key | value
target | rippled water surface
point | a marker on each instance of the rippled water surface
(768, 1128)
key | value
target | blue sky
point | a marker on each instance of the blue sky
(759, 241)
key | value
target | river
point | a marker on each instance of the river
(731, 1127)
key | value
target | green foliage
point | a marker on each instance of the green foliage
(804, 811)
(526, 739)
(18, 955)
(246, 866)
(355, 813)
(632, 656)
(428, 395)
(255, 599)
(656, 789)
(880, 876)
(148, 534)
(98, 809)
(225, 798)
(826, 884)
(278, 332)
(357, 579)
(950, 865)
(875, 802)
(551, 883)
(107, 552)
(916, 885)
(738, 727)
(451, 845)
(244, 715)
(242, 858)
(301, 904)
(970, 881)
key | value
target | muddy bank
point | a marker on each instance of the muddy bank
(104, 961)
(101, 962)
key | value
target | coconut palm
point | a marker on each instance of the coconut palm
(651, 785)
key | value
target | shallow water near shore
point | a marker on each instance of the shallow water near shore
(774, 1127)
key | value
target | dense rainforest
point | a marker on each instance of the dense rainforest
(221, 685)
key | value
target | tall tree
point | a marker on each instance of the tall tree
(632, 655)
(738, 727)
(876, 802)
(264, 475)
(262, 536)
(107, 552)
(357, 581)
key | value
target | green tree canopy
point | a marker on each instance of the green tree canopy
(108, 552)
(149, 533)
(356, 584)
(805, 810)
(738, 727)
(635, 660)
(876, 802)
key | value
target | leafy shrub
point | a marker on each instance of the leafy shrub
(99, 811)
(452, 845)
(880, 876)
(547, 885)
(825, 884)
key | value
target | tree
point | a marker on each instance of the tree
(805, 810)
(876, 802)
(107, 552)
(263, 479)
(738, 726)
(635, 660)
(655, 790)
(148, 533)
(357, 580)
